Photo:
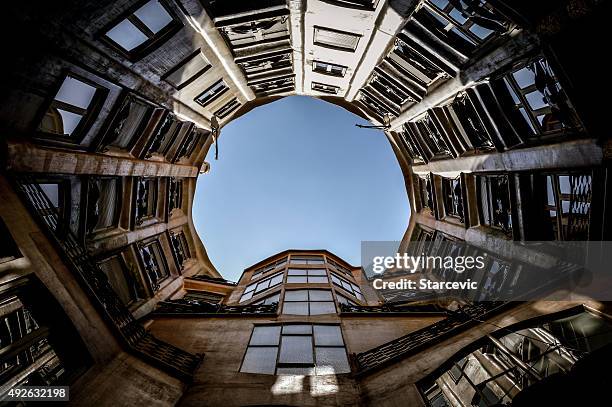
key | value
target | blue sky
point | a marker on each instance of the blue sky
(298, 174)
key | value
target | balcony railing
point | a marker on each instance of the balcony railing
(183, 307)
(390, 309)
(218, 280)
(136, 339)
(416, 341)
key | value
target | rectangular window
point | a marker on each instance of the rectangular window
(175, 193)
(126, 285)
(299, 259)
(268, 267)
(140, 31)
(212, 93)
(494, 195)
(336, 39)
(537, 100)
(432, 135)
(453, 198)
(227, 108)
(187, 70)
(180, 248)
(130, 121)
(426, 193)
(347, 286)
(295, 275)
(569, 205)
(268, 300)
(296, 349)
(163, 137)
(327, 68)
(153, 260)
(190, 142)
(322, 87)
(261, 286)
(146, 199)
(339, 267)
(103, 203)
(308, 302)
(74, 108)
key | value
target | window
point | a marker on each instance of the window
(268, 300)
(458, 20)
(537, 100)
(295, 275)
(426, 193)
(321, 87)
(146, 199)
(126, 285)
(73, 109)
(345, 301)
(180, 248)
(142, 30)
(432, 136)
(357, 4)
(519, 357)
(296, 349)
(131, 120)
(569, 205)
(153, 260)
(212, 93)
(296, 259)
(347, 286)
(494, 195)
(190, 142)
(58, 196)
(409, 144)
(261, 286)
(453, 198)
(103, 203)
(339, 267)
(463, 110)
(175, 193)
(327, 68)
(268, 267)
(165, 134)
(388, 86)
(340, 40)
(308, 302)
(188, 70)
(227, 108)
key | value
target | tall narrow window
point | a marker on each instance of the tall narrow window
(175, 193)
(180, 248)
(494, 194)
(139, 32)
(73, 108)
(261, 286)
(130, 121)
(296, 349)
(453, 198)
(146, 199)
(308, 302)
(124, 282)
(569, 205)
(155, 266)
(103, 203)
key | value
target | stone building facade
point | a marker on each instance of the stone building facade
(493, 110)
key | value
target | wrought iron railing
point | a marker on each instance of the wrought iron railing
(191, 307)
(416, 341)
(137, 340)
(391, 309)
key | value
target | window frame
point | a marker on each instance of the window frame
(154, 40)
(336, 47)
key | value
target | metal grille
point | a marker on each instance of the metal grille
(416, 341)
(193, 307)
(165, 356)
(580, 207)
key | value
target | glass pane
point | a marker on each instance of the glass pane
(480, 32)
(320, 295)
(296, 295)
(52, 192)
(262, 286)
(271, 299)
(320, 308)
(277, 279)
(296, 349)
(126, 35)
(154, 15)
(336, 280)
(265, 335)
(113, 269)
(334, 358)
(75, 93)
(70, 121)
(318, 279)
(260, 360)
(536, 100)
(296, 272)
(564, 184)
(457, 16)
(347, 286)
(295, 308)
(297, 329)
(317, 272)
(327, 335)
(294, 279)
(249, 287)
(246, 296)
(524, 77)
